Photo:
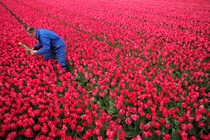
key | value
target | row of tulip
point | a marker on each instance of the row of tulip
(123, 23)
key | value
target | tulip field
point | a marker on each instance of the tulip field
(138, 70)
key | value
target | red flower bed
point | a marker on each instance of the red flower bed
(139, 70)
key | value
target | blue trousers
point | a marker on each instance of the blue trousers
(60, 55)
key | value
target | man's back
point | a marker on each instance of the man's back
(55, 39)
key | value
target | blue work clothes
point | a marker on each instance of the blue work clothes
(50, 44)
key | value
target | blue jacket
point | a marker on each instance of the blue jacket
(48, 40)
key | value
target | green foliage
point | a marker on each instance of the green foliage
(107, 104)
(176, 74)
(158, 87)
(175, 135)
(81, 80)
(99, 38)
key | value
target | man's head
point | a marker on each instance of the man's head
(31, 31)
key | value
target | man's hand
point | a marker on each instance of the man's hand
(34, 48)
(32, 52)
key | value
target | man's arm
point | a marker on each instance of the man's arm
(38, 46)
(46, 46)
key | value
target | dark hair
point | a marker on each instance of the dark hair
(30, 29)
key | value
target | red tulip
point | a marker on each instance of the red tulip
(158, 132)
(145, 134)
(201, 124)
(29, 133)
(184, 127)
(135, 117)
(128, 121)
(166, 136)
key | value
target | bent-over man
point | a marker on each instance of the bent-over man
(50, 45)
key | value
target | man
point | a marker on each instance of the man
(50, 44)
